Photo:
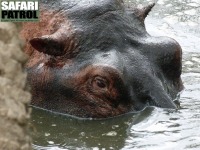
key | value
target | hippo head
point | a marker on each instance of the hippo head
(95, 59)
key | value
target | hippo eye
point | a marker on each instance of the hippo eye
(99, 82)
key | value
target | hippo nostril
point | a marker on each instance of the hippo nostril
(99, 82)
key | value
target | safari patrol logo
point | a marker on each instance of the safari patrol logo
(19, 10)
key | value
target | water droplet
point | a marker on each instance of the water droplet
(50, 142)
(47, 134)
(111, 133)
(82, 134)
(115, 126)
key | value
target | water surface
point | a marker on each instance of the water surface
(153, 128)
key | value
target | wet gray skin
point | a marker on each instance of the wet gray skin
(153, 128)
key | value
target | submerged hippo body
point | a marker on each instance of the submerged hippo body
(95, 59)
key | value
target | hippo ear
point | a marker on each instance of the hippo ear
(144, 11)
(147, 9)
(48, 45)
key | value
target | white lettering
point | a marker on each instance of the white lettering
(17, 5)
(36, 5)
(4, 5)
(23, 6)
(30, 5)
(11, 6)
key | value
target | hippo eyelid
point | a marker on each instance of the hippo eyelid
(101, 82)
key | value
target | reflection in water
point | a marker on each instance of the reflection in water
(153, 128)
(63, 131)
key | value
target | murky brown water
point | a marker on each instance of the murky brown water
(153, 128)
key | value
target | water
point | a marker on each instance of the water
(153, 128)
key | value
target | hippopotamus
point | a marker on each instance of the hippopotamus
(95, 59)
